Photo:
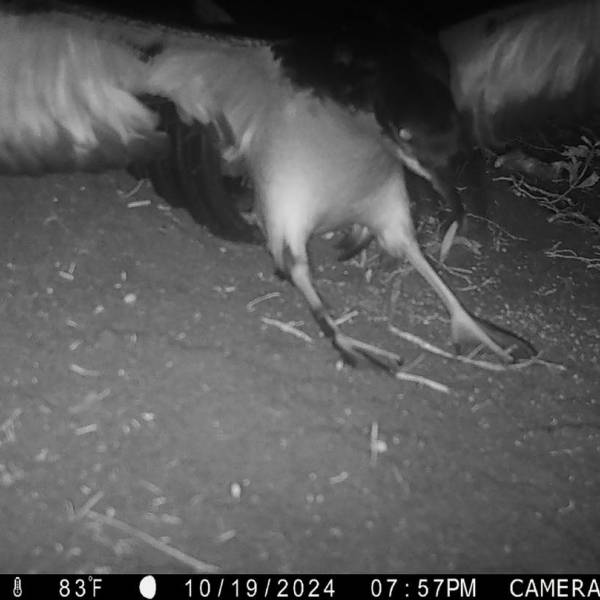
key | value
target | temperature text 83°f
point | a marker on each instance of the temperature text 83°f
(79, 587)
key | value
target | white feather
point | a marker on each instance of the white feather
(539, 51)
(65, 86)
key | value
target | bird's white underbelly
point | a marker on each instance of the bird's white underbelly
(316, 159)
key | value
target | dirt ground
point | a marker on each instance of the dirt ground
(147, 407)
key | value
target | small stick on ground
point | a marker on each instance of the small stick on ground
(287, 328)
(567, 253)
(496, 226)
(85, 509)
(139, 203)
(369, 348)
(250, 306)
(478, 286)
(198, 565)
(434, 385)
(347, 317)
(83, 371)
(133, 191)
(482, 364)
(376, 445)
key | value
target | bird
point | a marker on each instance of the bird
(85, 90)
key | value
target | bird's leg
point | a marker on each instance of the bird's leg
(297, 270)
(465, 327)
(397, 236)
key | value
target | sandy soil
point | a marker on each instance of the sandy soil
(139, 386)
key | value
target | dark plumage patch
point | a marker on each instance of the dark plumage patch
(401, 76)
(340, 69)
(190, 173)
(350, 66)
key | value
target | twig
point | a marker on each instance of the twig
(495, 225)
(413, 363)
(85, 509)
(420, 342)
(487, 281)
(133, 191)
(190, 561)
(287, 328)
(139, 203)
(567, 253)
(86, 429)
(482, 364)
(537, 360)
(370, 348)
(376, 445)
(434, 385)
(83, 371)
(347, 317)
(459, 272)
(250, 306)
(552, 201)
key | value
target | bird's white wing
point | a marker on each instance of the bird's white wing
(513, 66)
(88, 91)
(67, 98)
(71, 87)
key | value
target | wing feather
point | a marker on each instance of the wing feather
(66, 98)
(518, 65)
(75, 96)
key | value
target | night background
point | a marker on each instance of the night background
(302, 15)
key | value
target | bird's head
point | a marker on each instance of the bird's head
(416, 112)
(418, 118)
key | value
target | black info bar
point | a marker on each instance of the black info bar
(362, 587)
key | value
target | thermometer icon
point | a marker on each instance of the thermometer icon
(17, 590)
